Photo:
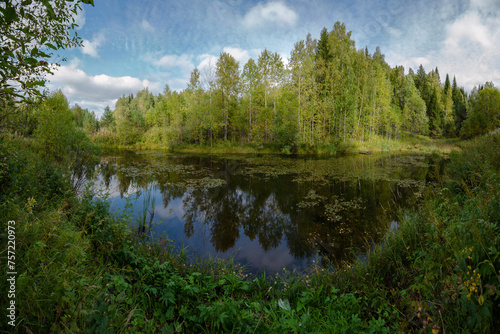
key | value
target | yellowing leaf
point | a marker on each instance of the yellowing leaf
(481, 300)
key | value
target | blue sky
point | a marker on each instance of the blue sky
(130, 45)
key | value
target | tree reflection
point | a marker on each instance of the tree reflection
(261, 199)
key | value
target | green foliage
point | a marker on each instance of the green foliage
(90, 123)
(55, 126)
(475, 164)
(228, 76)
(57, 135)
(24, 175)
(128, 121)
(459, 104)
(84, 119)
(30, 30)
(329, 92)
(83, 269)
(440, 267)
(414, 108)
(484, 115)
(107, 120)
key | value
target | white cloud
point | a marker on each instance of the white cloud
(183, 62)
(90, 47)
(272, 13)
(177, 84)
(146, 26)
(471, 46)
(284, 58)
(466, 30)
(206, 60)
(467, 49)
(240, 55)
(96, 106)
(80, 19)
(417, 61)
(98, 90)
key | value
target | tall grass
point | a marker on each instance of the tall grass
(417, 144)
(148, 209)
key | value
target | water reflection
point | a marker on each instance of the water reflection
(273, 211)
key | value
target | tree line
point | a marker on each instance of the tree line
(327, 93)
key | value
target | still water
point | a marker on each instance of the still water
(269, 212)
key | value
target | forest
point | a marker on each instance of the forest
(327, 92)
(72, 264)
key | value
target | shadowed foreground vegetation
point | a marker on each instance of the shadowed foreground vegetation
(82, 269)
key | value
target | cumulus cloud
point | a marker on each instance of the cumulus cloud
(471, 49)
(206, 66)
(90, 47)
(96, 106)
(274, 13)
(466, 30)
(183, 62)
(95, 91)
(468, 47)
(239, 54)
(206, 60)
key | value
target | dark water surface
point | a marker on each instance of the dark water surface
(270, 212)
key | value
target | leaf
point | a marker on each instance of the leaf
(34, 52)
(130, 316)
(43, 55)
(284, 304)
(10, 14)
(14, 38)
(51, 46)
(50, 10)
(39, 244)
(8, 53)
(31, 61)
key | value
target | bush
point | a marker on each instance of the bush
(478, 160)
(105, 137)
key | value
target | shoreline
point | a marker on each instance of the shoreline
(414, 145)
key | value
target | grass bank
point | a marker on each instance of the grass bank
(417, 144)
(81, 269)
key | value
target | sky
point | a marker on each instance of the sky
(130, 45)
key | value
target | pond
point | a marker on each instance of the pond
(269, 212)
